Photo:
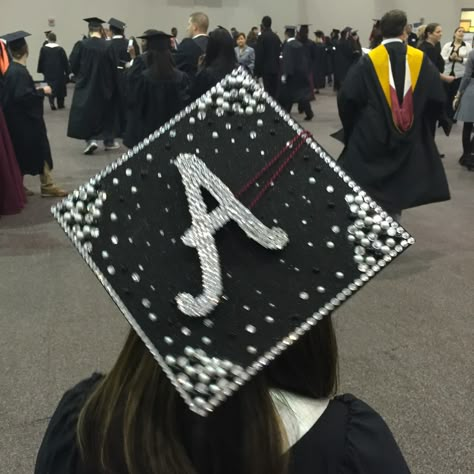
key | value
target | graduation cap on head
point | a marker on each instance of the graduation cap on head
(304, 27)
(291, 28)
(225, 236)
(117, 23)
(94, 21)
(47, 32)
(16, 39)
(157, 40)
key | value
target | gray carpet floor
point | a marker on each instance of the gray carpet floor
(406, 340)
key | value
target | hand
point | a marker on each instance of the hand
(448, 79)
(132, 52)
(453, 57)
(456, 102)
(47, 90)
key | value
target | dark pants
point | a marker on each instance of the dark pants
(60, 101)
(467, 147)
(271, 83)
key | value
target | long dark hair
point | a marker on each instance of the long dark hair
(160, 64)
(430, 29)
(220, 53)
(136, 422)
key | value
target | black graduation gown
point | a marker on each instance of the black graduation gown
(23, 108)
(54, 65)
(344, 58)
(350, 437)
(320, 65)
(188, 53)
(152, 102)
(207, 78)
(399, 170)
(92, 96)
(296, 68)
(118, 57)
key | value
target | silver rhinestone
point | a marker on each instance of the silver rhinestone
(336, 229)
(128, 172)
(168, 340)
(111, 270)
(105, 255)
(114, 239)
(170, 360)
(113, 217)
(269, 319)
(339, 275)
(186, 331)
(134, 190)
(312, 180)
(304, 296)
(310, 244)
(146, 303)
(330, 189)
(152, 317)
(330, 245)
(251, 350)
(207, 341)
(190, 137)
(209, 323)
(253, 135)
(251, 329)
(136, 277)
(321, 289)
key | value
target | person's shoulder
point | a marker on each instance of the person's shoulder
(369, 444)
(58, 449)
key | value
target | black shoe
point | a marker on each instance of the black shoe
(442, 155)
(308, 118)
(463, 160)
(53, 107)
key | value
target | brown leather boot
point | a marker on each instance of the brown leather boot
(48, 188)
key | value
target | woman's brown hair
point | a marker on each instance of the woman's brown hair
(136, 422)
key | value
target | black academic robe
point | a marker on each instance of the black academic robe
(118, 57)
(399, 170)
(188, 53)
(345, 57)
(54, 65)
(23, 108)
(152, 102)
(296, 69)
(94, 86)
(320, 65)
(209, 77)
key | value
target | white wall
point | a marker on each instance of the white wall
(163, 14)
(138, 14)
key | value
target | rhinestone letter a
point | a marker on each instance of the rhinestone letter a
(195, 174)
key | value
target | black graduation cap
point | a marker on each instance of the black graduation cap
(291, 28)
(94, 21)
(304, 27)
(117, 23)
(47, 32)
(16, 39)
(225, 236)
(158, 40)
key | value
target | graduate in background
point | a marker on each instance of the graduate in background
(54, 66)
(386, 110)
(12, 194)
(46, 33)
(23, 107)
(321, 61)
(295, 75)
(93, 70)
(156, 89)
(309, 48)
(119, 57)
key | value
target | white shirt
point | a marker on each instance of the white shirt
(391, 40)
(459, 68)
(200, 34)
(117, 37)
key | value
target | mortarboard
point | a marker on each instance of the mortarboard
(225, 236)
(94, 21)
(47, 32)
(157, 39)
(117, 23)
(292, 28)
(16, 39)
